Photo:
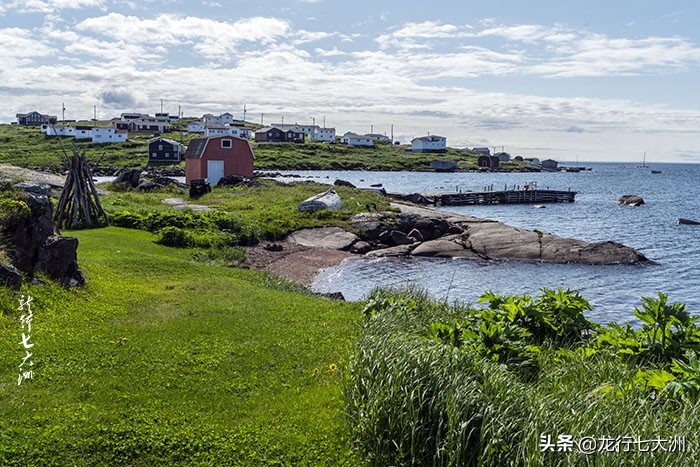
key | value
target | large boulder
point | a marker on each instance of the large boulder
(333, 238)
(499, 241)
(32, 245)
(130, 177)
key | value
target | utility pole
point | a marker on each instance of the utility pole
(371, 129)
(63, 114)
(324, 122)
(94, 113)
(392, 133)
(283, 120)
(244, 111)
(179, 112)
(261, 119)
(161, 106)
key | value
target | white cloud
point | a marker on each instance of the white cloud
(212, 39)
(50, 6)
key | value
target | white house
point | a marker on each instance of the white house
(379, 137)
(432, 143)
(196, 127)
(102, 134)
(213, 129)
(61, 130)
(311, 132)
(83, 132)
(243, 131)
(223, 119)
(353, 139)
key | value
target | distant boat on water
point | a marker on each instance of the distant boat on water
(655, 171)
(644, 162)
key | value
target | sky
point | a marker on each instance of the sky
(587, 80)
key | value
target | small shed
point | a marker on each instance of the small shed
(503, 156)
(491, 162)
(217, 157)
(165, 150)
(550, 164)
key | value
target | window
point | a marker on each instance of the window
(167, 154)
(154, 155)
(160, 147)
(226, 143)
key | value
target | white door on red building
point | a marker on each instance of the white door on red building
(215, 172)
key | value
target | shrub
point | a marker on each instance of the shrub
(173, 236)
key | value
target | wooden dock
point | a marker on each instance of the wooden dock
(505, 197)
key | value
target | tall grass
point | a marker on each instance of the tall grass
(414, 401)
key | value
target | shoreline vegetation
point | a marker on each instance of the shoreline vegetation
(172, 354)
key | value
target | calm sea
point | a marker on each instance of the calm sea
(614, 291)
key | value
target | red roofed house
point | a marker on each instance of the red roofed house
(217, 157)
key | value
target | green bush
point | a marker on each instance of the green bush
(173, 236)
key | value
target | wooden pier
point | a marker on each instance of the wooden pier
(505, 197)
(514, 196)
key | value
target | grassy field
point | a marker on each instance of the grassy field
(25, 146)
(161, 360)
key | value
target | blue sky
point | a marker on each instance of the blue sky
(604, 81)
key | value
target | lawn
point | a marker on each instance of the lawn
(161, 360)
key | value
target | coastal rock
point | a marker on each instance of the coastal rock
(333, 238)
(360, 248)
(416, 235)
(340, 182)
(610, 253)
(400, 238)
(33, 247)
(10, 276)
(35, 188)
(500, 241)
(444, 249)
(130, 177)
(561, 250)
(401, 250)
(631, 200)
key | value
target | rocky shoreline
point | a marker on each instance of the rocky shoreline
(418, 231)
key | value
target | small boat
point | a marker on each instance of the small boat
(682, 221)
(655, 171)
(326, 200)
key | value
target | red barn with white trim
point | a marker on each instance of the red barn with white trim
(217, 157)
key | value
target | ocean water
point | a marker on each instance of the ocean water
(614, 291)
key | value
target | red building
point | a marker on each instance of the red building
(216, 157)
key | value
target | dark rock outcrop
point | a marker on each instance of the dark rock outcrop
(33, 246)
(682, 221)
(631, 200)
(10, 276)
(130, 177)
(340, 182)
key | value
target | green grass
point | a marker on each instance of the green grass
(268, 212)
(415, 401)
(161, 360)
(322, 156)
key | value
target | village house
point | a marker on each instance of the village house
(353, 139)
(312, 132)
(277, 135)
(107, 134)
(217, 157)
(60, 130)
(165, 150)
(138, 122)
(197, 126)
(481, 150)
(431, 143)
(503, 156)
(34, 118)
(223, 119)
(379, 137)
